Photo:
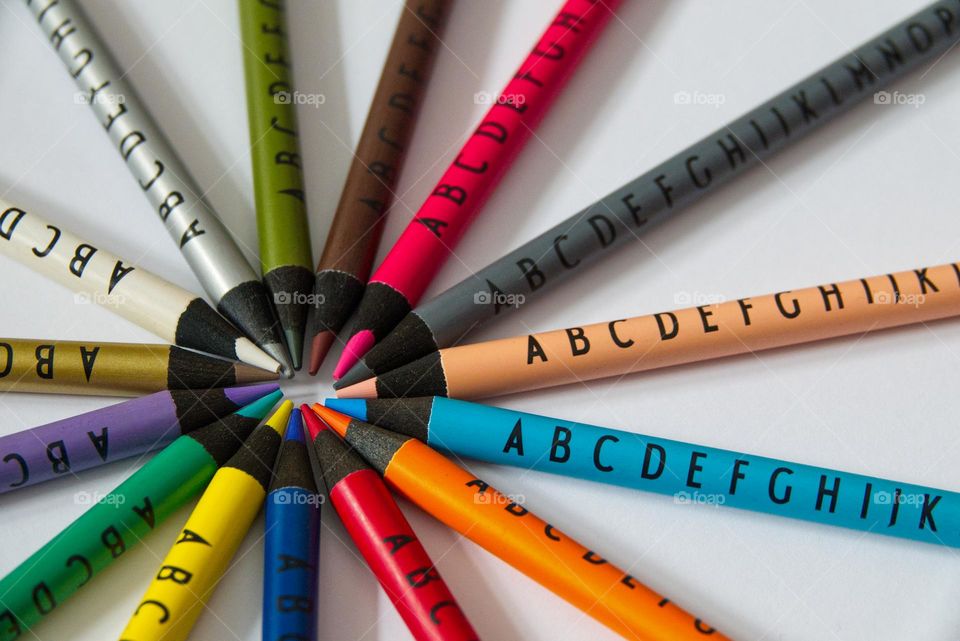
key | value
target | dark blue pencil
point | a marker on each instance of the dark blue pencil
(292, 545)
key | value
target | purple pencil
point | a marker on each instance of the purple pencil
(116, 432)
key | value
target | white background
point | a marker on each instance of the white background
(874, 192)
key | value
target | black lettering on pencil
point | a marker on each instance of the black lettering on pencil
(119, 271)
(146, 513)
(648, 456)
(422, 576)
(866, 291)
(439, 606)
(926, 512)
(493, 130)
(87, 566)
(800, 99)
(88, 357)
(779, 301)
(579, 343)
(619, 342)
(7, 228)
(24, 470)
(607, 234)
(189, 536)
(925, 282)
(175, 574)
(516, 509)
(700, 183)
(865, 505)
(535, 277)
(49, 248)
(771, 488)
(549, 532)
(81, 256)
(664, 334)
(694, 468)
(43, 599)
(744, 310)
(733, 152)
(57, 455)
(664, 189)
(397, 542)
(826, 293)
(164, 617)
(895, 507)
(737, 474)
(460, 163)
(560, 443)
(535, 350)
(634, 210)
(100, 443)
(44, 355)
(704, 316)
(560, 255)
(452, 193)
(112, 540)
(593, 558)
(822, 492)
(515, 440)
(596, 452)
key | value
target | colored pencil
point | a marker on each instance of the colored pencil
(205, 243)
(578, 242)
(387, 542)
(377, 162)
(204, 547)
(515, 534)
(427, 241)
(121, 519)
(693, 334)
(114, 369)
(691, 473)
(291, 558)
(96, 276)
(285, 258)
(114, 433)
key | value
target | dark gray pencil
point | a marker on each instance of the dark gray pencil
(702, 168)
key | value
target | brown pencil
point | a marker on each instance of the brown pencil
(368, 193)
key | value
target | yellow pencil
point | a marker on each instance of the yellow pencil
(207, 543)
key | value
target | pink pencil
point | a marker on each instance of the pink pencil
(425, 244)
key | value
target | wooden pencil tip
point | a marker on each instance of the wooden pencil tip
(363, 389)
(319, 346)
(358, 345)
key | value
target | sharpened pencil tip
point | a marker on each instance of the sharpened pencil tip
(319, 346)
(338, 422)
(363, 389)
(359, 372)
(295, 344)
(279, 353)
(358, 345)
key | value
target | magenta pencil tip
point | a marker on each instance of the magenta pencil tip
(358, 345)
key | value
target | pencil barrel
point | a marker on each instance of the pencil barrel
(700, 333)
(291, 564)
(506, 528)
(117, 521)
(398, 559)
(533, 269)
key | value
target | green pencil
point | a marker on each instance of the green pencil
(121, 519)
(285, 257)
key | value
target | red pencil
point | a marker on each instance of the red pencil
(386, 540)
(425, 244)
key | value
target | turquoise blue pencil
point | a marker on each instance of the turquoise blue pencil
(691, 473)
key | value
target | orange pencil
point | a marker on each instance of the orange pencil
(510, 531)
